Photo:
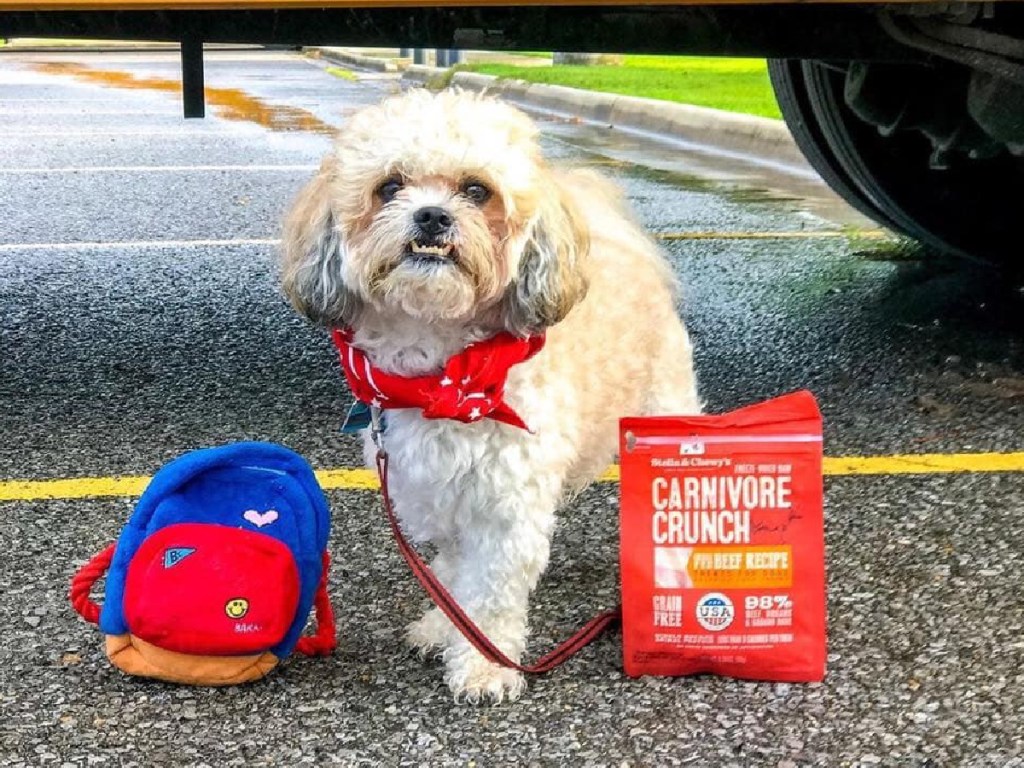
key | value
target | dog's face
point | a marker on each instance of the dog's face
(440, 207)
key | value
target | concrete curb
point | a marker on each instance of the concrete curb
(747, 135)
(422, 74)
(350, 59)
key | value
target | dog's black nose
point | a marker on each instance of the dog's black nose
(433, 221)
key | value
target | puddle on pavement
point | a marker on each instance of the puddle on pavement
(739, 194)
(770, 201)
(702, 169)
(229, 103)
(898, 251)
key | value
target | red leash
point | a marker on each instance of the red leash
(443, 599)
(322, 643)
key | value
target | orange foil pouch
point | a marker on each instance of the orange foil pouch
(722, 553)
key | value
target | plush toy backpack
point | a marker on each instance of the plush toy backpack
(212, 579)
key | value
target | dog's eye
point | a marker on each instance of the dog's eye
(387, 191)
(476, 192)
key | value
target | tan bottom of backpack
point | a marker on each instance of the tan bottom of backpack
(137, 657)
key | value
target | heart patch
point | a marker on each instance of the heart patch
(259, 519)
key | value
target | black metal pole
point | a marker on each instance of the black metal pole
(419, 56)
(192, 76)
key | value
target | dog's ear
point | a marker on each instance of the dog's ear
(552, 277)
(313, 255)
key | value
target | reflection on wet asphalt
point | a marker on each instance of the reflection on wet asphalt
(229, 103)
(116, 358)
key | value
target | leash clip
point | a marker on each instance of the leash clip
(377, 428)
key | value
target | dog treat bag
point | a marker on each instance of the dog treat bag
(723, 543)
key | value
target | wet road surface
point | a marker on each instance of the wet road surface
(140, 319)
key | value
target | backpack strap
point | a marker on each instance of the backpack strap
(320, 644)
(81, 585)
(325, 640)
(450, 607)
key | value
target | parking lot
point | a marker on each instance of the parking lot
(140, 318)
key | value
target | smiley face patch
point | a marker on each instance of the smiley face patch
(236, 608)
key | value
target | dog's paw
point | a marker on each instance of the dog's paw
(475, 680)
(429, 634)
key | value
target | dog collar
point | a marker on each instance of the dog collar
(470, 388)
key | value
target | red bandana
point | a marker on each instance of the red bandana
(471, 388)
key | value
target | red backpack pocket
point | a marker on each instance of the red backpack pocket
(211, 590)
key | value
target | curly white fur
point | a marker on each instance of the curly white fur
(549, 250)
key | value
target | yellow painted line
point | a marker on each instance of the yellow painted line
(346, 479)
(72, 488)
(873, 234)
(354, 479)
(925, 464)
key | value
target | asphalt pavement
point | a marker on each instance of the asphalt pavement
(140, 318)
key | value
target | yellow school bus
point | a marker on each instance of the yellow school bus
(911, 111)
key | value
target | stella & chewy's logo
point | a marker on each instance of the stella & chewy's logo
(715, 611)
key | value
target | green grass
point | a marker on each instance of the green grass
(344, 74)
(736, 85)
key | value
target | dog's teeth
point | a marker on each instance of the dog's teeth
(433, 250)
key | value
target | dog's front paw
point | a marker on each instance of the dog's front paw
(429, 634)
(475, 680)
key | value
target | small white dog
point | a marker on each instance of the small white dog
(435, 224)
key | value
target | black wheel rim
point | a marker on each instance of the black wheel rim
(788, 82)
